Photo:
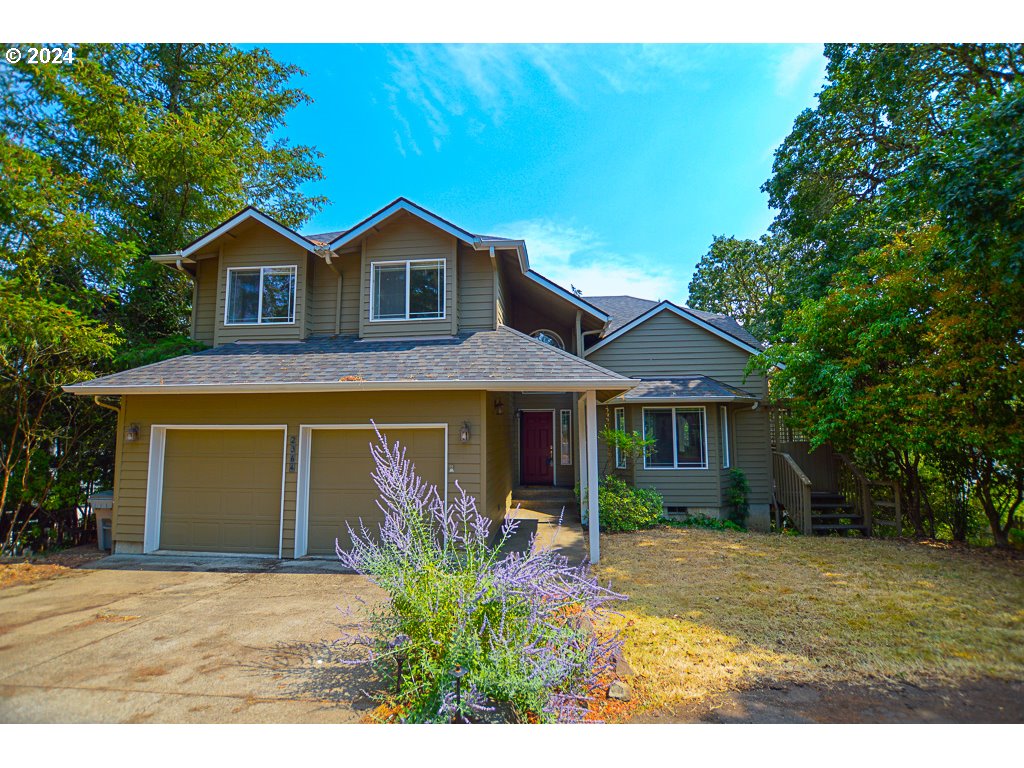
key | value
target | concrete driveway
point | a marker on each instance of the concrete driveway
(120, 642)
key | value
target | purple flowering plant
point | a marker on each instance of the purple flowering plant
(519, 625)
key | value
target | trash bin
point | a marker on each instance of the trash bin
(103, 534)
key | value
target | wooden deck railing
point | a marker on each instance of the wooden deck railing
(886, 507)
(793, 491)
(854, 485)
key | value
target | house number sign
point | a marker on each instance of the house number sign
(291, 454)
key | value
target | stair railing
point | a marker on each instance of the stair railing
(793, 490)
(855, 486)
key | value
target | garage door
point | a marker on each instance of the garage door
(222, 490)
(340, 487)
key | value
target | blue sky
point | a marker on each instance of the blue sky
(616, 163)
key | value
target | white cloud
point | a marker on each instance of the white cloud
(797, 67)
(485, 82)
(575, 256)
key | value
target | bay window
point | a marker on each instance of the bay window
(680, 437)
(407, 290)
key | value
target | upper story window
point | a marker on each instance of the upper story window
(260, 296)
(680, 437)
(407, 290)
(549, 337)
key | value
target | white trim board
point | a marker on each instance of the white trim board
(301, 546)
(238, 218)
(155, 477)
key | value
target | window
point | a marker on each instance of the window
(620, 426)
(723, 417)
(565, 438)
(260, 295)
(680, 438)
(549, 337)
(407, 290)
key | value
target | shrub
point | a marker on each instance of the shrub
(519, 626)
(625, 508)
(736, 496)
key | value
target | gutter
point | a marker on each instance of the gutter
(500, 385)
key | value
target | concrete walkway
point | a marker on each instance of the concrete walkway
(118, 644)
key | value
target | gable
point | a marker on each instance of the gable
(667, 343)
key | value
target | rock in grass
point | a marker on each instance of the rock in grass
(620, 691)
(622, 667)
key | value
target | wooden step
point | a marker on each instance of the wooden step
(829, 506)
(816, 518)
(828, 528)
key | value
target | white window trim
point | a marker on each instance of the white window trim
(568, 454)
(305, 455)
(675, 438)
(550, 333)
(259, 311)
(408, 268)
(620, 459)
(723, 418)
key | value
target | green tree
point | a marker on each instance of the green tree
(743, 279)
(131, 151)
(906, 186)
(161, 142)
(43, 346)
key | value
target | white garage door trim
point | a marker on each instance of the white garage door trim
(155, 480)
(305, 446)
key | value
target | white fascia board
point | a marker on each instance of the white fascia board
(668, 305)
(507, 385)
(619, 400)
(234, 221)
(171, 258)
(391, 210)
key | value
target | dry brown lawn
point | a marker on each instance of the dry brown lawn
(711, 611)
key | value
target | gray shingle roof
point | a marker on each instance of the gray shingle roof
(346, 362)
(683, 388)
(625, 309)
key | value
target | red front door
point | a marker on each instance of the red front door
(537, 446)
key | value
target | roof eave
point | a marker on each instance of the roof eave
(503, 385)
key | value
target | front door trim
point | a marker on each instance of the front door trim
(302, 482)
(155, 477)
(554, 464)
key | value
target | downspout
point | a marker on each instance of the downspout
(579, 333)
(590, 333)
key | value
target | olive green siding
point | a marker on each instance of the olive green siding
(476, 302)
(500, 294)
(293, 410)
(204, 306)
(256, 246)
(407, 237)
(498, 463)
(669, 345)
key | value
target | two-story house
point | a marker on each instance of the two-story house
(486, 372)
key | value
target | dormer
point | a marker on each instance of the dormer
(401, 272)
(250, 281)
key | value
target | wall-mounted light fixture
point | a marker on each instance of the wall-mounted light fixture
(464, 432)
(499, 406)
(131, 433)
